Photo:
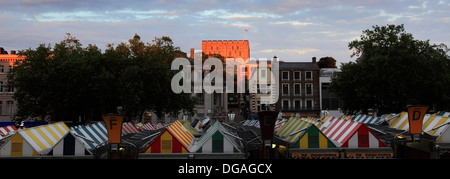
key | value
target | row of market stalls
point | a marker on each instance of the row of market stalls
(56, 139)
(359, 136)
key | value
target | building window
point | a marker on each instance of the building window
(200, 99)
(1, 86)
(285, 75)
(1, 107)
(285, 104)
(285, 89)
(9, 108)
(296, 75)
(263, 73)
(308, 75)
(297, 104)
(2, 69)
(10, 88)
(329, 100)
(309, 104)
(297, 89)
(309, 89)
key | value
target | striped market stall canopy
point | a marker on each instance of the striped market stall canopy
(7, 130)
(429, 123)
(148, 126)
(367, 119)
(351, 134)
(191, 129)
(35, 141)
(129, 128)
(217, 139)
(174, 139)
(91, 135)
(279, 124)
(310, 137)
(294, 124)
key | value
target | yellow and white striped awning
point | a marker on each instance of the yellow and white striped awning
(43, 138)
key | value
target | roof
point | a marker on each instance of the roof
(129, 128)
(180, 133)
(294, 124)
(299, 65)
(148, 126)
(312, 137)
(217, 127)
(141, 139)
(91, 135)
(191, 129)
(348, 133)
(44, 138)
(7, 130)
(367, 119)
(429, 123)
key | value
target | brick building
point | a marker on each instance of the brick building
(218, 105)
(7, 103)
(227, 48)
(299, 88)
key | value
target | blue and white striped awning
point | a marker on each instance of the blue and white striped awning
(367, 119)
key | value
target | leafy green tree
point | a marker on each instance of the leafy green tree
(392, 71)
(73, 83)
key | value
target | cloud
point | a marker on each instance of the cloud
(105, 16)
(292, 30)
(298, 51)
(226, 14)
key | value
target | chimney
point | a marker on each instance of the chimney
(192, 53)
(13, 52)
(314, 59)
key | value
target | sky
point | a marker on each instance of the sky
(294, 31)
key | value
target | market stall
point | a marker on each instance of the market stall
(34, 141)
(69, 145)
(217, 139)
(174, 139)
(351, 134)
(91, 135)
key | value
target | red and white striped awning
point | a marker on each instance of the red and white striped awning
(129, 128)
(351, 134)
(148, 127)
(6, 130)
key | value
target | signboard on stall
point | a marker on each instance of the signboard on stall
(415, 118)
(114, 126)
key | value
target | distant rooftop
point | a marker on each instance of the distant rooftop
(299, 65)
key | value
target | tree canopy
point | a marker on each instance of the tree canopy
(75, 83)
(327, 62)
(393, 70)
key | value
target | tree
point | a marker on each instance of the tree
(327, 62)
(392, 71)
(73, 83)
